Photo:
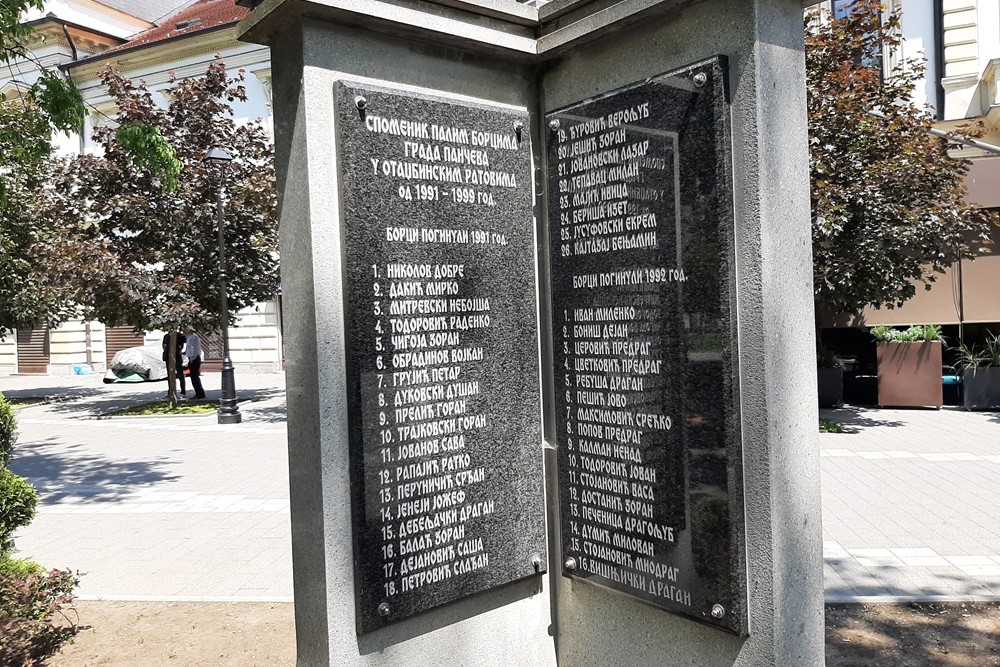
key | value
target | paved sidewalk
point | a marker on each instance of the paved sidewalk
(164, 508)
(182, 508)
(911, 505)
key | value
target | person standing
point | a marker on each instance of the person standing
(178, 359)
(194, 363)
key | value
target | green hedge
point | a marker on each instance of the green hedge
(17, 506)
(8, 430)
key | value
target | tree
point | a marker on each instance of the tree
(30, 294)
(25, 296)
(154, 234)
(27, 123)
(888, 202)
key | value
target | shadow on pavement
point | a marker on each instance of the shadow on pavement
(68, 473)
(854, 419)
(272, 414)
(55, 393)
(911, 583)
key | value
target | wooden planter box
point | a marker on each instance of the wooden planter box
(831, 387)
(909, 374)
(981, 388)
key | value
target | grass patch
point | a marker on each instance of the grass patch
(830, 426)
(163, 408)
(21, 401)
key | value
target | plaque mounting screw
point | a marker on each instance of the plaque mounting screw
(554, 124)
(518, 126)
(700, 79)
(718, 611)
(570, 564)
(536, 561)
(383, 609)
(360, 102)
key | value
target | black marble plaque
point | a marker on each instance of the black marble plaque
(445, 442)
(641, 242)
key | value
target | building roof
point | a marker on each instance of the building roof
(153, 11)
(198, 17)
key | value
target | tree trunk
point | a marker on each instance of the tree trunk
(172, 369)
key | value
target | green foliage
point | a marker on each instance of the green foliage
(968, 356)
(888, 202)
(931, 333)
(917, 333)
(18, 567)
(151, 152)
(8, 430)
(826, 357)
(17, 506)
(164, 408)
(882, 333)
(12, 31)
(830, 426)
(33, 619)
(992, 350)
(27, 296)
(140, 248)
(61, 99)
(973, 356)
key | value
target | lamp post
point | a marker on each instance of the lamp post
(229, 409)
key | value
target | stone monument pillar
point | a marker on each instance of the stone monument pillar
(546, 269)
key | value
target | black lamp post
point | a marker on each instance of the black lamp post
(229, 409)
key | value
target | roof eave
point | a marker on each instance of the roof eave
(148, 45)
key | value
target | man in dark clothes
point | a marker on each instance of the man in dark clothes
(194, 363)
(181, 340)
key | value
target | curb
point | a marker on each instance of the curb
(184, 598)
(900, 599)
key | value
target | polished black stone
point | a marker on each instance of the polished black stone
(445, 443)
(642, 270)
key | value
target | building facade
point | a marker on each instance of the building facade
(152, 41)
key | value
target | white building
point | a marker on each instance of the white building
(149, 40)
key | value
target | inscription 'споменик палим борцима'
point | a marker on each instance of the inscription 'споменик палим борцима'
(439, 284)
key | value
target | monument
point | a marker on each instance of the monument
(547, 282)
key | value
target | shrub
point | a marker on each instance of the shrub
(17, 506)
(8, 430)
(918, 332)
(29, 606)
(18, 567)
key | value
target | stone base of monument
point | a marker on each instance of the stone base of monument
(545, 271)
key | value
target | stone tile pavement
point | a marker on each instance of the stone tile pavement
(911, 505)
(176, 508)
(182, 508)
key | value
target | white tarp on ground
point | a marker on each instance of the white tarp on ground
(145, 361)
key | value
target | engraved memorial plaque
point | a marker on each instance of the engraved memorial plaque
(445, 443)
(643, 298)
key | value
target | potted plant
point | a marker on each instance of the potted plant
(830, 375)
(909, 366)
(980, 374)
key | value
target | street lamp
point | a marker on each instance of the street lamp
(229, 409)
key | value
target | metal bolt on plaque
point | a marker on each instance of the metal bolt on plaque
(718, 611)
(536, 561)
(700, 79)
(383, 609)
(360, 102)
(570, 564)
(554, 124)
